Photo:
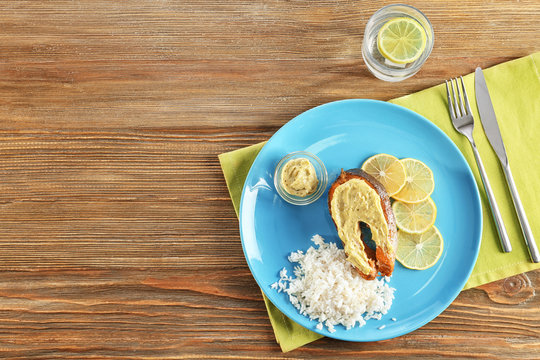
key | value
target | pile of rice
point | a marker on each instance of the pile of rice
(327, 288)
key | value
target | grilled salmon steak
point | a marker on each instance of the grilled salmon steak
(355, 200)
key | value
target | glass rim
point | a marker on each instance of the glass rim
(407, 6)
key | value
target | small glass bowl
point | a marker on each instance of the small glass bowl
(320, 170)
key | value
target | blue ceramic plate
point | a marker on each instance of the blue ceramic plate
(343, 134)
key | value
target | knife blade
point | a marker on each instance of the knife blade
(487, 116)
(491, 128)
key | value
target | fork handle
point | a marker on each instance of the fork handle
(525, 228)
(503, 236)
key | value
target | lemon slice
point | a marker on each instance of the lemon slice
(419, 251)
(415, 218)
(388, 170)
(419, 183)
(401, 40)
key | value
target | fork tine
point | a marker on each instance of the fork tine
(450, 107)
(460, 97)
(456, 101)
(465, 96)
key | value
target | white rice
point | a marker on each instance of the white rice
(326, 288)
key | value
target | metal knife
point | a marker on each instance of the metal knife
(491, 128)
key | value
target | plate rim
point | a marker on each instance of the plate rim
(477, 210)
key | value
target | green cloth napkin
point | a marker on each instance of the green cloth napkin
(514, 87)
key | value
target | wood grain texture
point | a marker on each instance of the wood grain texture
(117, 236)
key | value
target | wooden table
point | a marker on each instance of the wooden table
(117, 235)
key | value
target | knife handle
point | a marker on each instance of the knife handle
(503, 236)
(525, 228)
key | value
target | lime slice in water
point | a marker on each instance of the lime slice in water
(401, 40)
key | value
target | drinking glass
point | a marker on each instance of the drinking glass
(380, 66)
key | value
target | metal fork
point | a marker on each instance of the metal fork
(463, 121)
